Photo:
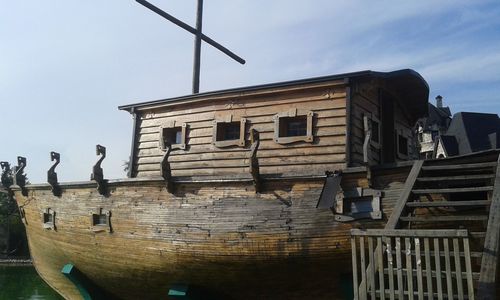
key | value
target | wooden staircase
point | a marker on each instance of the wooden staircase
(446, 230)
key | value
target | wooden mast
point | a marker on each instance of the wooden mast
(199, 36)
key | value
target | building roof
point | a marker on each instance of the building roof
(473, 131)
(409, 84)
(450, 145)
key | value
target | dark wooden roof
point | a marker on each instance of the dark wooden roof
(411, 87)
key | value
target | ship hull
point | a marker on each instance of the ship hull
(222, 238)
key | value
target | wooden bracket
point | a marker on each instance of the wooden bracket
(330, 189)
(166, 171)
(97, 172)
(52, 175)
(254, 161)
(19, 176)
(7, 179)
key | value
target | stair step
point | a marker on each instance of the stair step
(444, 218)
(449, 203)
(453, 190)
(478, 234)
(455, 178)
(460, 167)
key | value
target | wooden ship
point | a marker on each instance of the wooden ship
(292, 190)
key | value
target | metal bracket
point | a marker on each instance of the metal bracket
(97, 172)
(254, 162)
(19, 176)
(88, 289)
(52, 175)
(7, 179)
(166, 172)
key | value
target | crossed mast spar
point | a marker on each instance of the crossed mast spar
(199, 36)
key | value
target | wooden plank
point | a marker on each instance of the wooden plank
(401, 204)
(411, 232)
(447, 261)
(468, 269)
(371, 276)
(444, 218)
(449, 203)
(380, 260)
(439, 275)
(409, 268)
(460, 166)
(399, 269)
(428, 269)
(489, 263)
(390, 270)
(355, 267)
(418, 263)
(362, 288)
(454, 178)
(454, 190)
(458, 269)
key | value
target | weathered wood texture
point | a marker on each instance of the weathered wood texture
(201, 157)
(423, 257)
(365, 101)
(272, 245)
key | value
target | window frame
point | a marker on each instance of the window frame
(181, 145)
(308, 138)
(374, 143)
(47, 223)
(100, 227)
(228, 143)
(401, 134)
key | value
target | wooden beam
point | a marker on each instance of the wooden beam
(445, 218)
(460, 167)
(405, 195)
(449, 203)
(455, 178)
(489, 264)
(454, 190)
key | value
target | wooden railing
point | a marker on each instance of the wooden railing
(412, 264)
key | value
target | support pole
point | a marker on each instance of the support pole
(197, 48)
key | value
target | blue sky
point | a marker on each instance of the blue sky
(65, 66)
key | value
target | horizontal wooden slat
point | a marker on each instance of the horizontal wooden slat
(455, 178)
(453, 190)
(410, 233)
(460, 167)
(449, 203)
(444, 218)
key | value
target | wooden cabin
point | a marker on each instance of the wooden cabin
(305, 127)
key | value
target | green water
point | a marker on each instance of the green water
(24, 283)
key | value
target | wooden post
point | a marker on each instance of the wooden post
(489, 264)
(403, 198)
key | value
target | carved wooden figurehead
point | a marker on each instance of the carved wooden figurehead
(52, 175)
(97, 172)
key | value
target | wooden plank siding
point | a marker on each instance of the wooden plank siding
(202, 158)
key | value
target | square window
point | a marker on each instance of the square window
(293, 126)
(290, 127)
(402, 145)
(228, 131)
(173, 137)
(48, 218)
(100, 219)
(360, 205)
(375, 131)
